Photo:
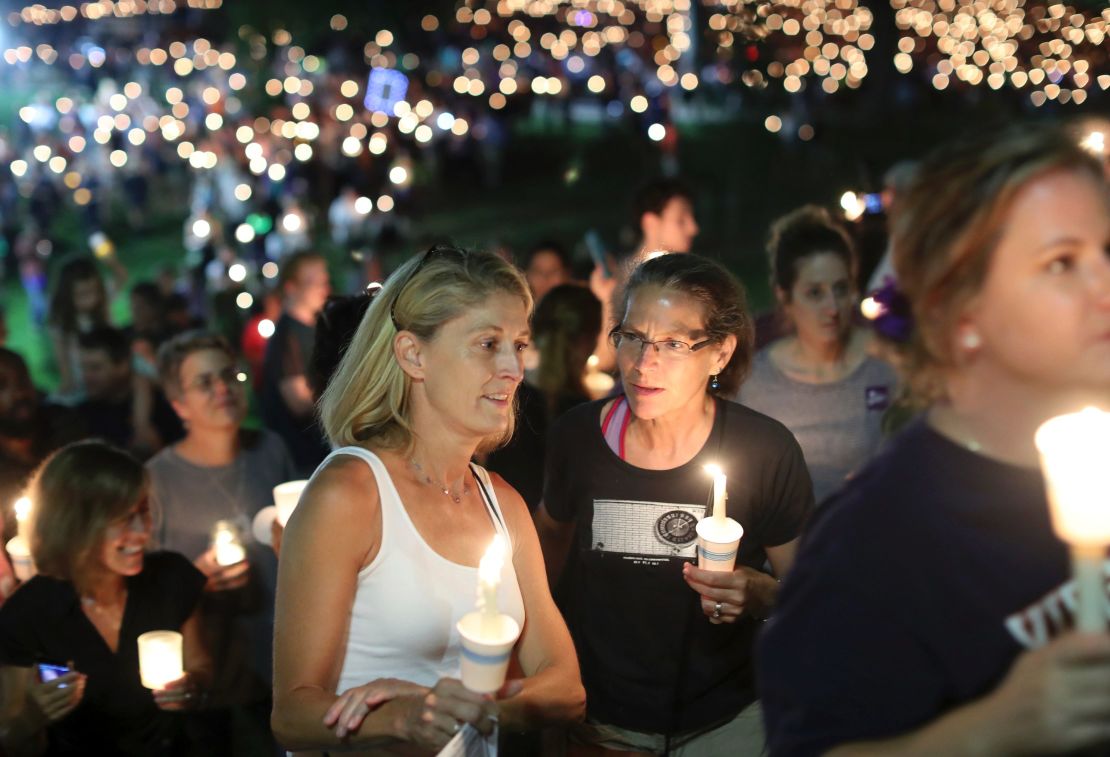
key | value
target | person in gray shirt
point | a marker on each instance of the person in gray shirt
(820, 381)
(222, 472)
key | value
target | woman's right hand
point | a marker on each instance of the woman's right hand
(57, 698)
(432, 720)
(1056, 699)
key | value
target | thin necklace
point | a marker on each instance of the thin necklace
(106, 613)
(428, 480)
(236, 501)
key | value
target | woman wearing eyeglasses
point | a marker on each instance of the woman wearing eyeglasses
(96, 591)
(222, 472)
(379, 560)
(665, 648)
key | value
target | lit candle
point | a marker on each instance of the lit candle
(489, 578)
(1073, 456)
(720, 494)
(160, 658)
(597, 384)
(19, 548)
(226, 543)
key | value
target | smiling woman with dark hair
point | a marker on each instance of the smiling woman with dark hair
(96, 592)
(665, 648)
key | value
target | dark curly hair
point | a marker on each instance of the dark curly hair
(723, 300)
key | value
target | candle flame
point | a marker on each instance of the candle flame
(713, 469)
(870, 308)
(489, 569)
(592, 361)
(22, 509)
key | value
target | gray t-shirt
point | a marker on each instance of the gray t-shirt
(188, 499)
(838, 424)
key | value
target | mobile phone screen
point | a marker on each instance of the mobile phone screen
(48, 672)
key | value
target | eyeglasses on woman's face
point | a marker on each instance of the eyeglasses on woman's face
(631, 344)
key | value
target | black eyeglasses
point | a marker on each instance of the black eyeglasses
(438, 250)
(674, 349)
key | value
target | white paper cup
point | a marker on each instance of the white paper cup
(261, 525)
(160, 658)
(286, 497)
(718, 544)
(485, 651)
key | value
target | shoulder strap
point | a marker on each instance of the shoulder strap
(487, 497)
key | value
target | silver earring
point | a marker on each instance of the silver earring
(971, 340)
(714, 384)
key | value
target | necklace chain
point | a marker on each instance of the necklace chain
(457, 498)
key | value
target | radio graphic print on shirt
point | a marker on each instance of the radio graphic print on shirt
(645, 532)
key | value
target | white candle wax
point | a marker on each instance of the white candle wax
(489, 578)
(1073, 449)
(160, 658)
(20, 553)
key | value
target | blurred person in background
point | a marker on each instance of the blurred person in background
(545, 266)
(79, 304)
(96, 591)
(563, 332)
(287, 401)
(121, 405)
(820, 380)
(222, 472)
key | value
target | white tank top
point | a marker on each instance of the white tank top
(409, 598)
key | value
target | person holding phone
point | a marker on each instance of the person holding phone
(96, 591)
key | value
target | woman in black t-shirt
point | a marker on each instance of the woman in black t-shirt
(931, 606)
(665, 648)
(95, 593)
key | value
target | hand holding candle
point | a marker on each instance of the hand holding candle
(718, 535)
(487, 635)
(1073, 452)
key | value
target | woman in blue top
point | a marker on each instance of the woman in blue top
(930, 607)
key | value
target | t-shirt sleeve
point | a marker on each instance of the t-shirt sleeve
(18, 621)
(789, 495)
(834, 668)
(180, 582)
(557, 499)
(293, 360)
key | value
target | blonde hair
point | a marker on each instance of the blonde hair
(949, 225)
(368, 398)
(76, 493)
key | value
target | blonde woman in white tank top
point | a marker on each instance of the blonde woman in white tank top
(380, 559)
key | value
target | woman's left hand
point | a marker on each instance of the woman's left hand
(176, 695)
(727, 596)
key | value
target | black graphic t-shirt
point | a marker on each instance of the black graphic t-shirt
(651, 661)
(914, 589)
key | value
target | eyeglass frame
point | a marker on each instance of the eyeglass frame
(126, 523)
(691, 348)
(233, 382)
(428, 255)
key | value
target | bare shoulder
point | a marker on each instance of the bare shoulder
(344, 488)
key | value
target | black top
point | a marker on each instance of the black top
(650, 659)
(913, 591)
(111, 420)
(43, 621)
(287, 355)
(521, 461)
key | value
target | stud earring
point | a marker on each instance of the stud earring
(714, 384)
(971, 340)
